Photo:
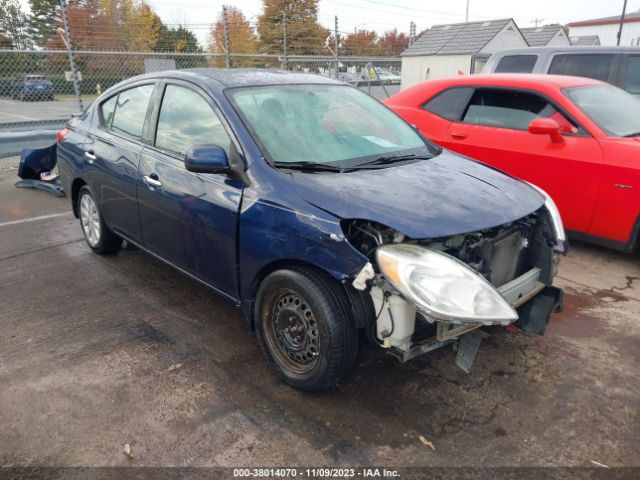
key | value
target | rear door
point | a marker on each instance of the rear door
(189, 219)
(630, 74)
(494, 130)
(113, 155)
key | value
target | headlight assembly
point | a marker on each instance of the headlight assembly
(443, 287)
(556, 220)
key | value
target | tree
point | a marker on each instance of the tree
(362, 43)
(305, 36)
(89, 27)
(45, 15)
(241, 37)
(13, 22)
(138, 25)
(177, 40)
(393, 43)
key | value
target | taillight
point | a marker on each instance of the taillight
(61, 134)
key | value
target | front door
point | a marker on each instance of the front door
(189, 219)
(494, 130)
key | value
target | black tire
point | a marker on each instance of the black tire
(314, 301)
(100, 239)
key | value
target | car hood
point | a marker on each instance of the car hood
(446, 195)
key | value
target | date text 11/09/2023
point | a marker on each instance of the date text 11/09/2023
(372, 472)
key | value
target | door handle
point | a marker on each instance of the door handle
(460, 135)
(90, 156)
(152, 182)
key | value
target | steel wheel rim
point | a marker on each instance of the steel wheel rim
(293, 332)
(90, 219)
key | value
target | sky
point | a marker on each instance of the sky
(381, 15)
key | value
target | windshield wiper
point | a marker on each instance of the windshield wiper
(636, 134)
(309, 166)
(386, 160)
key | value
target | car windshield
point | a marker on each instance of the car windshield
(331, 125)
(613, 109)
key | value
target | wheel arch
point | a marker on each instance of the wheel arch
(76, 185)
(250, 291)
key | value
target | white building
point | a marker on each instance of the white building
(607, 29)
(547, 36)
(461, 48)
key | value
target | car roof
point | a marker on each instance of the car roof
(243, 77)
(521, 80)
(575, 49)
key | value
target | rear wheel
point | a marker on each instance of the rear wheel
(305, 328)
(98, 236)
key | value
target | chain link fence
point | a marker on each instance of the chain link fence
(37, 88)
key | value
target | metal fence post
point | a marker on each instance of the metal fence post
(335, 34)
(72, 62)
(284, 38)
(227, 51)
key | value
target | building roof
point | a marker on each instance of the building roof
(456, 38)
(585, 40)
(628, 18)
(540, 36)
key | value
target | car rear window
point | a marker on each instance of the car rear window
(450, 103)
(595, 66)
(633, 75)
(516, 64)
(125, 113)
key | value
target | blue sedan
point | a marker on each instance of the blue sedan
(314, 209)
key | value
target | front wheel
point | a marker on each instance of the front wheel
(305, 328)
(97, 234)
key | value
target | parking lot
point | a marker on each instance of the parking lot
(99, 351)
(15, 111)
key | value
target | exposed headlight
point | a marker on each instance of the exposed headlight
(443, 287)
(556, 220)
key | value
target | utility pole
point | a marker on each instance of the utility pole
(537, 21)
(225, 24)
(466, 15)
(335, 44)
(412, 32)
(624, 12)
(72, 62)
(284, 39)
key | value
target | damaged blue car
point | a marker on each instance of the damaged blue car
(317, 211)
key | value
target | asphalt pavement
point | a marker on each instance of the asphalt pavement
(99, 351)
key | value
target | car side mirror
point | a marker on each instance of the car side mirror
(546, 126)
(207, 159)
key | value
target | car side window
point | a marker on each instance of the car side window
(106, 111)
(516, 64)
(450, 103)
(595, 66)
(186, 119)
(633, 75)
(130, 111)
(512, 109)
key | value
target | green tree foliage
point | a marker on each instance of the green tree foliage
(13, 26)
(177, 40)
(43, 20)
(305, 36)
